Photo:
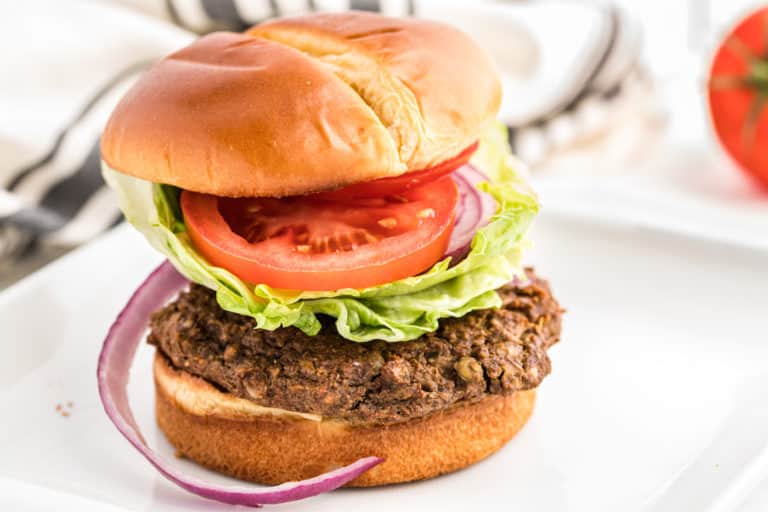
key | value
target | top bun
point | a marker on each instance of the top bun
(303, 104)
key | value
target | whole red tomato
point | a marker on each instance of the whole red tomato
(738, 94)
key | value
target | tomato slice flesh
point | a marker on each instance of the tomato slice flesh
(310, 243)
(399, 184)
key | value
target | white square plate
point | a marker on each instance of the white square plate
(658, 398)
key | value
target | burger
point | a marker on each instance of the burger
(338, 193)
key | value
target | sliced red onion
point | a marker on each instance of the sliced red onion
(473, 210)
(113, 371)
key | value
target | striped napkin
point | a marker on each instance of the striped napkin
(571, 73)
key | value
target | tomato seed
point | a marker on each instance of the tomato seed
(427, 213)
(388, 222)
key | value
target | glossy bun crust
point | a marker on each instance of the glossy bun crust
(224, 433)
(302, 104)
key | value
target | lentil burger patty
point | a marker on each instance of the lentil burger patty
(493, 351)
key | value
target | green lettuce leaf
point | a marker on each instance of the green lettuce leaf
(397, 311)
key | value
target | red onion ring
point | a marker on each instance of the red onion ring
(114, 365)
(473, 210)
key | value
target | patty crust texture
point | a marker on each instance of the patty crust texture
(487, 352)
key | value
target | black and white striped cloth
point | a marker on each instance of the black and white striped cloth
(571, 71)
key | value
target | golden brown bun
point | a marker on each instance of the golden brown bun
(303, 104)
(271, 449)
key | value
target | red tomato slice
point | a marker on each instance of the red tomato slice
(306, 243)
(738, 94)
(399, 184)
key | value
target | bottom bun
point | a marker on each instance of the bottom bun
(269, 446)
